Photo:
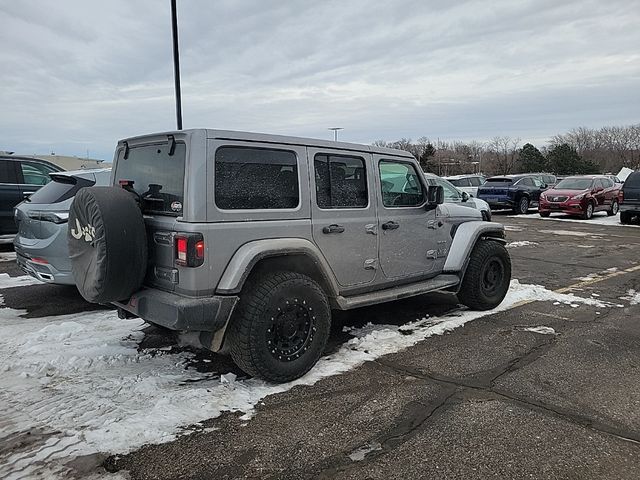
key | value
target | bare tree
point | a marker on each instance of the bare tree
(504, 151)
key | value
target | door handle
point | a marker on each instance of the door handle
(333, 229)
(391, 225)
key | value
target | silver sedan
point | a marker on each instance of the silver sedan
(41, 242)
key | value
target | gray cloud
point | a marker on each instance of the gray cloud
(80, 75)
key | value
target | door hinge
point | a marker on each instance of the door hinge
(371, 264)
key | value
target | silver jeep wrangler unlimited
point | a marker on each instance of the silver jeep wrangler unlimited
(253, 239)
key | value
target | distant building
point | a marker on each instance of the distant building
(65, 162)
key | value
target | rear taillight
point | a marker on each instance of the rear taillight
(189, 249)
(49, 216)
(620, 196)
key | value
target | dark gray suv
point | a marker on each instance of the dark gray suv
(19, 178)
(253, 239)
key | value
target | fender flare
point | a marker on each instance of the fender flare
(248, 255)
(466, 236)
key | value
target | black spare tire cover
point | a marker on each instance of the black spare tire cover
(107, 244)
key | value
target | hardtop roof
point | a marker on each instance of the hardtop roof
(279, 139)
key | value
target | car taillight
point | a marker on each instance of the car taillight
(620, 196)
(189, 249)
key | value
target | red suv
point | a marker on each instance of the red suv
(581, 196)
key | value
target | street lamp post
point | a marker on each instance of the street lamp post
(335, 132)
(176, 63)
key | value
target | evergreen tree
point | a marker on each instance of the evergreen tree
(531, 159)
(427, 153)
(565, 160)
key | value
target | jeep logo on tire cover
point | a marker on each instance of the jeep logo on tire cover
(88, 232)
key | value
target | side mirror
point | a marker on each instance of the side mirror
(435, 196)
(465, 196)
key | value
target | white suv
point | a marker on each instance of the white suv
(467, 183)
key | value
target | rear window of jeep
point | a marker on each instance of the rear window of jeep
(248, 178)
(157, 176)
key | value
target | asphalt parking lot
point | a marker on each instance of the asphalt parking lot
(543, 389)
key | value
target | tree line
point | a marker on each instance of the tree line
(580, 151)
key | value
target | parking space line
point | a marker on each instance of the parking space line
(592, 281)
(581, 284)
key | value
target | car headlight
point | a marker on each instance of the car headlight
(578, 197)
(46, 216)
(543, 196)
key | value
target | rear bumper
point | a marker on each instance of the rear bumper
(44, 272)
(177, 312)
(635, 209)
(500, 204)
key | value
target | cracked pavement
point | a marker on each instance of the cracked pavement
(487, 400)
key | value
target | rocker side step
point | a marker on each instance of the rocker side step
(396, 293)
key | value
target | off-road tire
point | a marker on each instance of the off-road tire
(472, 292)
(588, 212)
(625, 218)
(523, 206)
(257, 318)
(614, 208)
(107, 243)
(544, 214)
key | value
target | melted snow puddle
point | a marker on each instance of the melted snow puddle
(81, 384)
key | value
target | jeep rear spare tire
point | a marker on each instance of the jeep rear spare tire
(280, 327)
(107, 244)
(486, 280)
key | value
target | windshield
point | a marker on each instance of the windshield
(574, 184)
(157, 176)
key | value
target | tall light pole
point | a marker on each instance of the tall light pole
(335, 132)
(176, 63)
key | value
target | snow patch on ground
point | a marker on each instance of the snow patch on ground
(632, 297)
(524, 243)
(8, 257)
(574, 233)
(9, 282)
(81, 382)
(512, 228)
(541, 330)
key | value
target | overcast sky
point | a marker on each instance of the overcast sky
(79, 75)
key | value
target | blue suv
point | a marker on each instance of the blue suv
(516, 192)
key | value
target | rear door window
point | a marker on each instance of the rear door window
(157, 175)
(35, 173)
(475, 181)
(248, 178)
(341, 181)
